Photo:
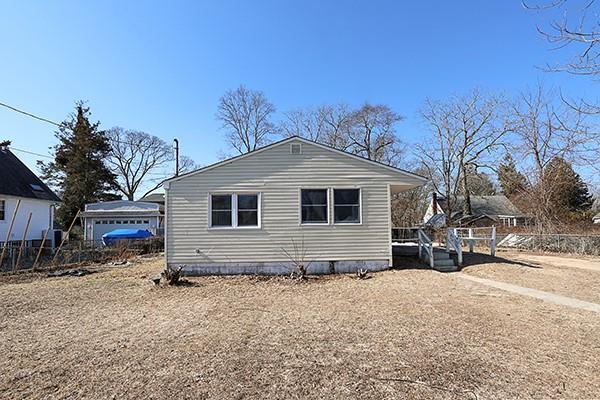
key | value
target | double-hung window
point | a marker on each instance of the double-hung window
(2, 210)
(221, 210)
(314, 206)
(346, 206)
(234, 210)
(247, 210)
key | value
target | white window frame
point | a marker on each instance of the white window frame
(234, 210)
(360, 204)
(3, 201)
(328, 213)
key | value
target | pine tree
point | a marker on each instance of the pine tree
(569, 193)
(511, 181)
(480, 184)
(78, 170)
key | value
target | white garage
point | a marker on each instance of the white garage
(100, 218)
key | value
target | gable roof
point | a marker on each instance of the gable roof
(122, 207)
(158, 198)
(18, 180)
(485, 205)
(290, 139)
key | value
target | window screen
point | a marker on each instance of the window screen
(247, 209)
(346, 205)
(221, 210)
(314, 206)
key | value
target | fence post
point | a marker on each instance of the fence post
(471, 240)
(493, 244)
(63, 239)
(37, 258)
(12, 222)
(16, 267)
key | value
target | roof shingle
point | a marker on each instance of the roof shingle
(18, 180)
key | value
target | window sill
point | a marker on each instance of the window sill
(234, 228)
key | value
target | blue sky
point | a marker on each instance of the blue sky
(161, 66)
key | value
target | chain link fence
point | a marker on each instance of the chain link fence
(555, 243)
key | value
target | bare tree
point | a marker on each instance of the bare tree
(246, 118)
(186, 164)
(305, 122)
(134, 156)
(139, 161)
(439, 152)
(373, 133)
(466, 131)
(409, 207)
(547, 129)
(327, 124)
(573, 23)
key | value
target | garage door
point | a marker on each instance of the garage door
(102, 226)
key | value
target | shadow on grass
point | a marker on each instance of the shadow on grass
(408, 262)
(472, 259)
(469, 260)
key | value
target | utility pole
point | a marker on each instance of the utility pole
(176, 147)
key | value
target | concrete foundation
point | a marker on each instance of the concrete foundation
(281, 268)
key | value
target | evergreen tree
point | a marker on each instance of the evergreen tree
(78, 170)
(480, 184)
(511, 181)
(568, 192)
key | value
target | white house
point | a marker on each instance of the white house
(19, 185)
(246, 214)
(103, 217)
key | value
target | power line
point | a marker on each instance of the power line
(30, 152)
(29, 114)
(60, 125)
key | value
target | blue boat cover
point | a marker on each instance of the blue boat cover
(124, 234)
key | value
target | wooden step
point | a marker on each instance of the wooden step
(449, 268)
(444, 263)
(441, 255)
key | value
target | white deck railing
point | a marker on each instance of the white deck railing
(471, 235)
(453, 241)
(425, 244)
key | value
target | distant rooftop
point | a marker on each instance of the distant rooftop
(158, 198)
(485, 205)
(18, 180)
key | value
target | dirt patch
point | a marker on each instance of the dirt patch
(553, 274)
(114, 335)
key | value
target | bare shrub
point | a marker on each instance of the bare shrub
(362, 273)
(298, 259)
(173, 276)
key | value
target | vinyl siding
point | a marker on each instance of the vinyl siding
(278, 176)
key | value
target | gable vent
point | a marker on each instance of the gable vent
(296, 148)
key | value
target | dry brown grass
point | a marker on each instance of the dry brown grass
(113, 335)
(565, 275)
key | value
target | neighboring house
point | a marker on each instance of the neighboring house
(17, 182)
(242, 215)
(158, 198)
(103, 217)
(596, 219)
(486, 211)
